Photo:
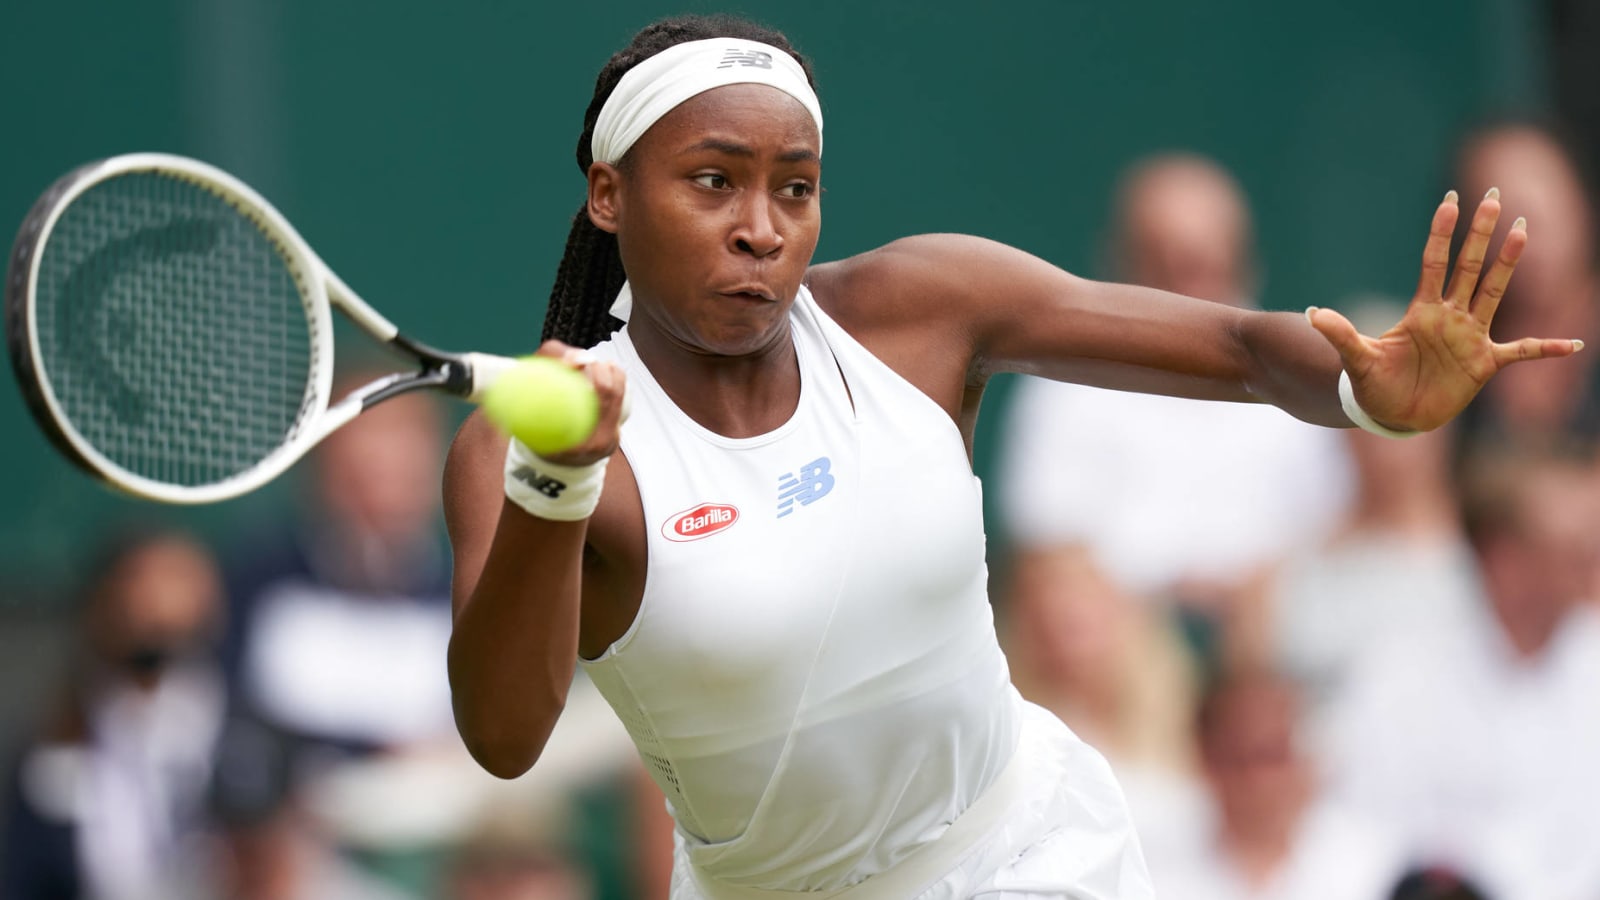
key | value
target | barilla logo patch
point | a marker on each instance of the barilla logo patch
(700, 522)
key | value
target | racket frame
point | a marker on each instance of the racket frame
(465, 375)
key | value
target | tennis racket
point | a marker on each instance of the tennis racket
(173, 335)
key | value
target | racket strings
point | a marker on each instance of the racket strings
(173, 333)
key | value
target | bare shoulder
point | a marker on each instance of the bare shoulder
(923, 305)
(931, 272)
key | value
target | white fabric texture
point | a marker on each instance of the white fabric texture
(1332, 856)
(371, 668)
(1482, 760)
(656, 86)
(1161, 488)
(1333, 604)
(1353, 410)
(530, 480)
(138, 787)
(1068, 837)
(813, 677)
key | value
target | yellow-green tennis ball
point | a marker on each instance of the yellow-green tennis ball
(543, 403)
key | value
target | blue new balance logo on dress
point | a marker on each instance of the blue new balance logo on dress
(812, 484)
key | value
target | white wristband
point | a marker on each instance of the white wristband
(550, 491)
(1347, 399)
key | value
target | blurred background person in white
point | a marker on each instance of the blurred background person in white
(107, 802)
(270, 844)
(1479, 738)
(1556, 286)
(1112, 667)
(1179, 501)
(1274, 835)
(338, 662)
(336, 658)
(341, 612)
(1435, 884)
(1398, 561)
(525, 854)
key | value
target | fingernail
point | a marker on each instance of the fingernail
(1451, 196)
(1494, 194)
(1576, 346)
(580, 358)
(1309, 311)
(1521, 224)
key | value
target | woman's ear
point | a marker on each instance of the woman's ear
(605, 187)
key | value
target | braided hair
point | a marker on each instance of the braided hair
(591, 267)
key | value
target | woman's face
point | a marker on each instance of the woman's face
(716, 214)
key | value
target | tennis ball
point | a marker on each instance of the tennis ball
(543, 403)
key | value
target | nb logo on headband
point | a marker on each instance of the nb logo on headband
(753, 58)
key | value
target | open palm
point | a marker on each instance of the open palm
(1421, 373)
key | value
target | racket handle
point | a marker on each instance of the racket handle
(485, 368)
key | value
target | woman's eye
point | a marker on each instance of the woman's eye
(798, 191)
(715, 182)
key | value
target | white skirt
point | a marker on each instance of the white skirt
(1054, 824)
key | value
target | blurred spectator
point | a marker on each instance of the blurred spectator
(526, 849)
(1175, 499)
(342, 616)
(1435, 884)
(487, 870)
(1554, 291)
(1573, 31)
(341, 773)
(272, 847)
(1116, 672)
(1398, 562)
(1478, 737)
(1273, 837)
(107, 801)
(336, 661)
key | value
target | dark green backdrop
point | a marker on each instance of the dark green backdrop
(425, 149)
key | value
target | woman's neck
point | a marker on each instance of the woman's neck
(734, 396)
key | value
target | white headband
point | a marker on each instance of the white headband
(656, 86)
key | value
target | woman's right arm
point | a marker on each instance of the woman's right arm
(516, 591)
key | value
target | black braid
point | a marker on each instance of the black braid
(591, 273)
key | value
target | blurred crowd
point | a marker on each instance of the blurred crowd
(272, 721)
(1325, 665)
(1328, 665)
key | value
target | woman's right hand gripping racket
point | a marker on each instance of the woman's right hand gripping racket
(171, 331)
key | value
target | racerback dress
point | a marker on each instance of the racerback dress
(813, 676)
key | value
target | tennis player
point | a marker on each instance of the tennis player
(774, 571)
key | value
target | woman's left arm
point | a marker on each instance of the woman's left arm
(1032, 317)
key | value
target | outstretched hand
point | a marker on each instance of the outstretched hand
(1422, 372)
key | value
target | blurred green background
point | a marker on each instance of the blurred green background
(425, 149)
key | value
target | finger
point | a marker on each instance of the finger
(611, 386)
(1436, 253)
(576, 357)
(555, 348)
(1534, 348)
(1339, 332)
(1473, 251)
(1494, 283)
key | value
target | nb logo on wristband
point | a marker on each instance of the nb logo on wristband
(544, 484)
(753, 58)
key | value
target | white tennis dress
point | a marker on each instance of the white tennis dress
(813, 677)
